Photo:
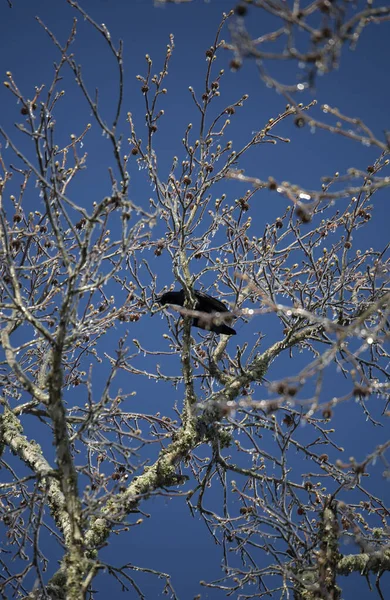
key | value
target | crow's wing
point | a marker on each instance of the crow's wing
(208, 304)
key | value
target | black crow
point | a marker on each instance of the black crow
(206, 304)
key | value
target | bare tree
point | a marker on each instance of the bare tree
(71, 278)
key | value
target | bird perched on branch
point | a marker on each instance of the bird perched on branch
(205, 304)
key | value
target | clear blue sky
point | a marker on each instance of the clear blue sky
(172, 541)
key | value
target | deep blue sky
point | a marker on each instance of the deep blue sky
(172, 541)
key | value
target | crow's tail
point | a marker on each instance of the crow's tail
(225, 329)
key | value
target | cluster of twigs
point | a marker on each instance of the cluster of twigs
(71, 279)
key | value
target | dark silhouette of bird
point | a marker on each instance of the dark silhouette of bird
(206, 304)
